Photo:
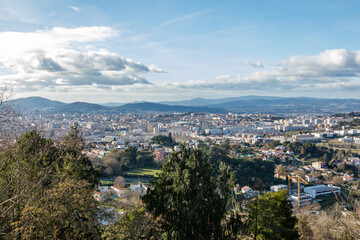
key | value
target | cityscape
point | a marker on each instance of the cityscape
(174, 120)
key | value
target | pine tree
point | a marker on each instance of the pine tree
(270, 217)
(190, 196)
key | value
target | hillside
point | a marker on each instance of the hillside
(35, 103)
(245, 104)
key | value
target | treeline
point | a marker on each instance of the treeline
(119, 161)
(353, 124)
(309, 151)
(251, 171)
(346, 115)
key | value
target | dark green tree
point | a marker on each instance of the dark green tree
(74, 163)
(34, 167)
(191, 196)
(163, 140)
(270, 217)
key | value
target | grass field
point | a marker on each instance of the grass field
(144, 171)
(106, 183)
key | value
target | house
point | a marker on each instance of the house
(118, 190)
(347, 178)
(354, 161)
(311, 178)
(276, 188)
(99, 196)
(318, 165)
(246, 189)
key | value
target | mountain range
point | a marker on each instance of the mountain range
(244, 104)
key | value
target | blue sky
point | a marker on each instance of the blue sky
(122, 51)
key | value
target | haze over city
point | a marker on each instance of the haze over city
(124, 51)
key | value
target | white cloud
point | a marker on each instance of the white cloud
(255, 65)
(58, 57)
(76, 9)
(333, 70)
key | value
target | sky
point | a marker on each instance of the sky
(149, 50)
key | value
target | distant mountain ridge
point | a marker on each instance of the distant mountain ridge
(244, 104)
(47, 106)
(205, 102)
(35, 103)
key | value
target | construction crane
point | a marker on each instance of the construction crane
(298, 181)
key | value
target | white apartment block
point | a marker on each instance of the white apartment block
(321, 190)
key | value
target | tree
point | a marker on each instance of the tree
(34, 167)
(281, 170)
(190, 196)
(74, 163)
(10, 126)
(134, 225)
(270, 217)
(337, 180)
(304, 228)
(163, 140)
(67, 211)
(119, 181)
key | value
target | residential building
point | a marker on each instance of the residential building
(318, 165)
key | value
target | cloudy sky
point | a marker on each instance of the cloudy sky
(154, 50)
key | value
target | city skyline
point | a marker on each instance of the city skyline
(120, 51)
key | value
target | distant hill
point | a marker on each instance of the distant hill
(35, 103)
(245, 104)
(157, 107)
(206, 102)
(112, 104)
(143, 107)
(81, 107)
(291, 105)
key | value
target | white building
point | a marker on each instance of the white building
(276, 188)
(305, 199)
(138, 188)
(118, 190)
(321, 190)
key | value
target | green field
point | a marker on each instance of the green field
(106, 183)
(144, 171)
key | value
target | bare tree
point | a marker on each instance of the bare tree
(119, 181)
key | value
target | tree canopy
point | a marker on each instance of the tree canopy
(39, 180)
(163, 140)
(270, 217)
(191, 196)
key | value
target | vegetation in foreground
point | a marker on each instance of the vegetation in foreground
(47, 193)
